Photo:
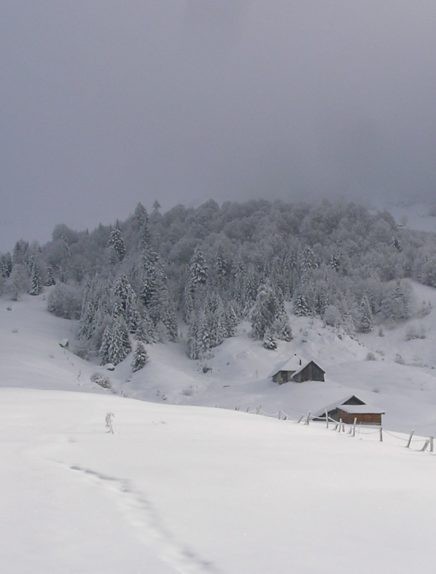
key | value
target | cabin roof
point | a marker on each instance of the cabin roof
(339, 404)
(361, 409)
(293, 364)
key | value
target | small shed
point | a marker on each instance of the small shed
(350, 409)
(297, 371)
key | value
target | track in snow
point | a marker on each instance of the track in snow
(142, 515)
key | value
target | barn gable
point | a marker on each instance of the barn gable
(309, 372)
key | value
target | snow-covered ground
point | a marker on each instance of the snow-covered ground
(181, 489)
(193, 489)
(401, 379)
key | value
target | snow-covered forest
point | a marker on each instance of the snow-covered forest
(195, 273)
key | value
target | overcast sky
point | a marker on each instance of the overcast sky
(104, 103)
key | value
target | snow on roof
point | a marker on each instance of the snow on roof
(293, 364)
(361, 409)
(337, 404)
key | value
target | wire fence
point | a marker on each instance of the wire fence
(416, 443)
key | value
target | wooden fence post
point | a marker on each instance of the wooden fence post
(431, 444)
(381, 434)
(340, 425)
(354, 426)
(326, 419)
(410, 439)
(307, 418)
(424, 448)
(300, 419)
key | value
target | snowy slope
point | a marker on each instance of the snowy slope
(240, 375)
(197, 490)
(30, 354)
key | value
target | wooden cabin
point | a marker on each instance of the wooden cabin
(296, 371)
(310, 372)
(350, 409)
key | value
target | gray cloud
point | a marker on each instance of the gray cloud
(105, 103)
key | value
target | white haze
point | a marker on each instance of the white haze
(105, 103)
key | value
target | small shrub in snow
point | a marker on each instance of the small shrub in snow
(101, 380)
(269, 343)
(371, 357)
(399, 359)
(415, 332)
(381, 333)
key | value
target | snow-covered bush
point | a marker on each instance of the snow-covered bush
(18, 281)
(101, 380)
(371, 357)
(269, 342)
(65, 301)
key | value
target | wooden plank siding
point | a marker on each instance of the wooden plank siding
(361, 418)
(311, 372)
(283, 377)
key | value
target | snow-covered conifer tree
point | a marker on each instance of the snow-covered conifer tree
(116, 242)
(266, 310)
(198, 270)
(364, 316)
(119, 346)
(230, 321)
(301, 307)
(145, 331)
(50, 280)
(141, 226)
(35, 280)
(140, 357)
(104, 350)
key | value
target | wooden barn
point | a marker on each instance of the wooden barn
(350, 409)
(296, 371)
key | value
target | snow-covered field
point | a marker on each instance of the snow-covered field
(197, 490)
(193, 489)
